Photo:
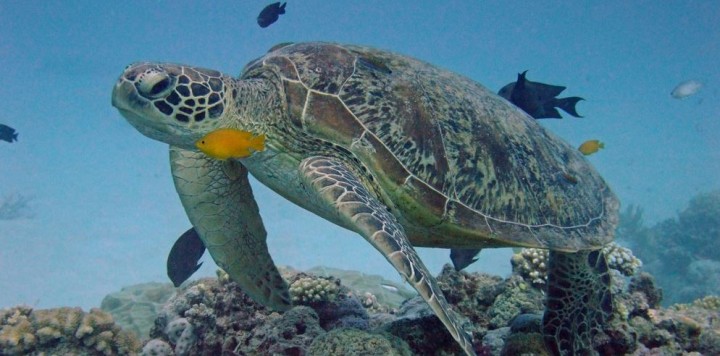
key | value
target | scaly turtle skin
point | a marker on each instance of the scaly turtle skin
(399, 151)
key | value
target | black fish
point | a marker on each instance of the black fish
(538, 99)
(270, 14)
(463, 257)
(8, 133)
(184, 256)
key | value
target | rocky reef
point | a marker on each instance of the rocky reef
(212, 316)
(683, 253)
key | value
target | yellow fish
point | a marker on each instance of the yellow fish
(590, 146)
(230, 143)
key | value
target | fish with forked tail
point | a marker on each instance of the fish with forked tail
(8, 133)
(539, 100)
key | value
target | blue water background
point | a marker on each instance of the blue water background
(105, 210)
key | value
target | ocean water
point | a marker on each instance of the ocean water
(101, 211)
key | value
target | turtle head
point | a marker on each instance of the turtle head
(173, 103)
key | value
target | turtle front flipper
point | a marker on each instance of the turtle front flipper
(579, 302)
(218, 200)
(336, 187)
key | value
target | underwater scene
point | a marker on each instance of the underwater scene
(359, 178)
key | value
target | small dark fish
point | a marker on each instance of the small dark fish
(8, 133)
(463, 257)
(270, 14)
(537, 99)
(184, 256)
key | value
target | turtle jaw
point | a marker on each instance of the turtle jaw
(141, 115)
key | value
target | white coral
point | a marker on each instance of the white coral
(531, 263)
(311, 290)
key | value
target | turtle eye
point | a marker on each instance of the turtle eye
(155, 84)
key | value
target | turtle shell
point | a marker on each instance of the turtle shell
(456, 164)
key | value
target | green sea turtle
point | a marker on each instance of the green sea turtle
(397, 150)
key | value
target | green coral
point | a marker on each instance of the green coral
(308, 290)
(63, 330)
(348, 341)
(524, 344)
(517, 298)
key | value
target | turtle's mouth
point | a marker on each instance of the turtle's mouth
(140, 114)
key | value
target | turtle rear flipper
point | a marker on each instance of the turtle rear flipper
(335, 186)
(218, 200)
(579, 302)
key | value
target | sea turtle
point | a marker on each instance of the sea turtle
(401, 152)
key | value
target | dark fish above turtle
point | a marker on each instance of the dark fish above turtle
(8, 133)
(270, 14)
(184, 256)
(539, 100)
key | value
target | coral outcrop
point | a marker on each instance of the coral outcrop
(531, 263)
(349, 341)
(63, 331)
(212, 316)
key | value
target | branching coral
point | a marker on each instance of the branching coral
(16, 331)
(531, 263)
(311, 290)
(621, 259)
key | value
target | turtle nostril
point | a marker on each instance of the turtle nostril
(154, 84)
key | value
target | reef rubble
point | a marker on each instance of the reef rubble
(212, 316)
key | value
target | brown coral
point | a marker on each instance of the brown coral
(63, 330)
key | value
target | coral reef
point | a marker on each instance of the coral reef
(63, 331)
(378, 293)
(683, 253)
(311, 290)
(212, 316)
(291, 333)
(348, 341)
(531, 263)
(516, 298)
(416, 325)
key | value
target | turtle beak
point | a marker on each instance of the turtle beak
(139, 112)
